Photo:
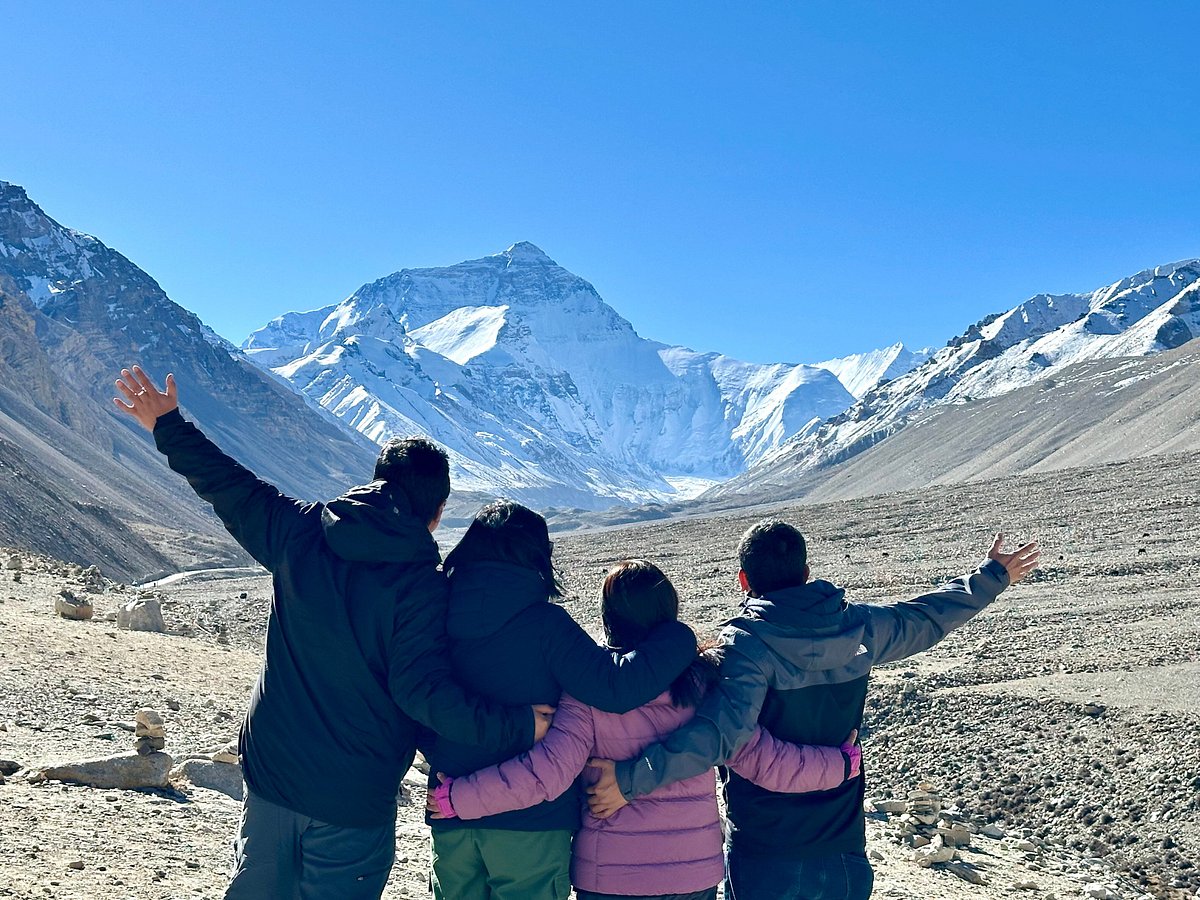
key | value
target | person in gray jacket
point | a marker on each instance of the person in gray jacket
(796, 661)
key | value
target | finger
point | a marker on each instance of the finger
(128, 381)
(145, 380)
(121, 404)
(997, 542)
(596, 763)
(126, 389)
(441, 777)
(853, 739)
(172, 390)
(545, 708)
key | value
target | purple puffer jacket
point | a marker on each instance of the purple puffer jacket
(668, 841)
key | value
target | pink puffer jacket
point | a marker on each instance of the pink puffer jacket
(668, 841)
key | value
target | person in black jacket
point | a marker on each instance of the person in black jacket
(510, 643)
(355, 658)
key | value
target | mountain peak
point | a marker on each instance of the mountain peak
(526, 252)
(8, 189)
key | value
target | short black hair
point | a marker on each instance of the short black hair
(420, 469)
(774, 556)
(505, 531)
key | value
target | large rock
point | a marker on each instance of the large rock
(129, 771)
(141, 615)
(69, 606)
(214, 776)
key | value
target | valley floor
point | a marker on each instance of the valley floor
(1067, 715)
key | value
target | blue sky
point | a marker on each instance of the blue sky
(777, 181)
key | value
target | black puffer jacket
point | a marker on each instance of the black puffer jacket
(356, 642)
(508, 642)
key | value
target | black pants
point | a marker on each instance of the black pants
(286, 856)
(710, 894)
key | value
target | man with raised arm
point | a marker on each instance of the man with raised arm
(796, 661)
(354, 663)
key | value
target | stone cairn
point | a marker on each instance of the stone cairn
(934, 833)
(148, 731)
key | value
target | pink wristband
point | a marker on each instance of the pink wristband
(441, 796)
(854, 752)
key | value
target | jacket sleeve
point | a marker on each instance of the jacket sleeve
(611, 682)
(788, 768)
(725, 721)
(543, 773)
(255, 513)
(900, 630)
(423, 685)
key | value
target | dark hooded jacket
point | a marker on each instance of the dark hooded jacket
(510, 643)
(356, 646)
(796, 662)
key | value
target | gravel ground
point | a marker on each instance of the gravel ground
(1066, 715)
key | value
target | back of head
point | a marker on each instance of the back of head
(774, 556)
(507, 532)
(420, 469)
(635, 597)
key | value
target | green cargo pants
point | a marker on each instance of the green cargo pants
(492, 864)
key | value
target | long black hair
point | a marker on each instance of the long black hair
(637, 596)
(504, 531)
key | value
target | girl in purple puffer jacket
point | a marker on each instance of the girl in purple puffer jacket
(667, 843)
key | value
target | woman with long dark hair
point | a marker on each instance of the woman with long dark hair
(508, 642)
(668, 843)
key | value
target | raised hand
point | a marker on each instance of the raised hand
(1020, 562)
(143, 400)
(543, 718)
(605, 797)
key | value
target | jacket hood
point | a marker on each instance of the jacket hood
(374, 523)
(484, 597)
(808, 626)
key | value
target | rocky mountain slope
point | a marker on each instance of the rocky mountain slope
(1091, 413)
(537, 386)
(80, 481)
(1034, 350)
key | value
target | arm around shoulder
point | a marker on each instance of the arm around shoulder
(725, 720)
(609, 681)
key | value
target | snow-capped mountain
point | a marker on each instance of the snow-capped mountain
(72, 312)
(1147, 313)
(860, 372)
(537, 387)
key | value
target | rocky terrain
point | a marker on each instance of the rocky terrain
(1060, 730)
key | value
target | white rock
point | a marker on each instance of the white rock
(141, 615)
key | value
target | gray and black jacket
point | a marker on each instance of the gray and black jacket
(796, 662)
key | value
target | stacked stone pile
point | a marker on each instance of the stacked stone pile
(148, 767)
(148, 731)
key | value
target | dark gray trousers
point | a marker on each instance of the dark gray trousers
(283, 855)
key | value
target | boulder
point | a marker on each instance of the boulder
(67, 605)
(214, 776)
(9, 767)
(141, 615)
(14, 564)
(128, 771)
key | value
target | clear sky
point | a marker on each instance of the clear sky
(776, 181)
